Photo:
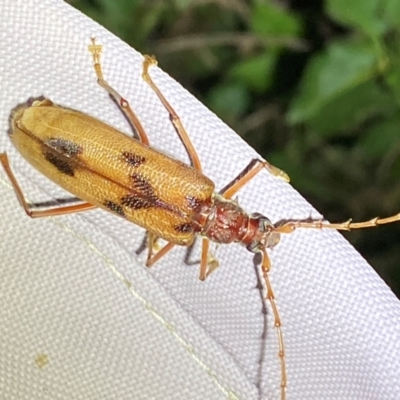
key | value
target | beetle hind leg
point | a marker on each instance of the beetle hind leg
(154, 251)
(95, 50)
(208, 263)
(28, 208)
(174, 117)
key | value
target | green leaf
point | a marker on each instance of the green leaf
(256, 72)
(364, 15)
(343, 66)
(270, 19)
(229, 100)
(351, 108)
(392, 12)
(393, 78)
(182, 5)
(381, 137)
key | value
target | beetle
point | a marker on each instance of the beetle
(126, 176)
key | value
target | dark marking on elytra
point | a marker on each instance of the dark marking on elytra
(184, 228)
(133, 159)
(194, 203)
(142, 185)
(143, 196)
(135, 202)
(115, 208)
(60, 153)
(63, 165)
(65, 147)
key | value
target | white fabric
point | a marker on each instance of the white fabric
(73, 291)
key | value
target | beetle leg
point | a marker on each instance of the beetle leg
(152, 243)
(254, 167)
(208, 263)
(176, 121)
(95, 50)
(51, 211)
(204, 259)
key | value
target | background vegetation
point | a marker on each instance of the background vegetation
(314, 86)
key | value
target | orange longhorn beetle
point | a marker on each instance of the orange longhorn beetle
(107, 169)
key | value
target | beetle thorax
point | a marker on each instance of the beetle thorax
(226, 222)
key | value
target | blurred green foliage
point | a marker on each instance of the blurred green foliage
(314, 86)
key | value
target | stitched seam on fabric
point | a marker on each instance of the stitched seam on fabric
(228, 393)
(147, 305)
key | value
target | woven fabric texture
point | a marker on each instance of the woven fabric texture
(81, 317)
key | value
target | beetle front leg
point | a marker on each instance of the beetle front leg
(251, 170)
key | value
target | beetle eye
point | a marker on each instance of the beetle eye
(264, 224)
(253, 247)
